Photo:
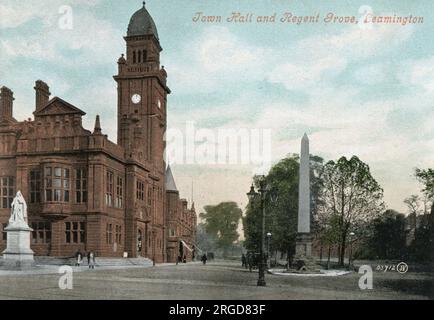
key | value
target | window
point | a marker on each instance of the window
(140, 190)
(57, 184)
(109, 233)
(75, 232)
(35, 186)
(140, 56)
(41, 232)
(3, 234)
(80, 186)
(145, 55)
(118, 235)
(7, 192)
(109, 189)
(149, 196)
(119, 192)
(134, 57)
(172, 233)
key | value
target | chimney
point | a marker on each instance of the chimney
(6, 103)
(42, 94)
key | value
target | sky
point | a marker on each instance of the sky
(355, 89)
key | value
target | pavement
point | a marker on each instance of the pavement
(218, 280)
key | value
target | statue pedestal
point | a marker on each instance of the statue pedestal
(303, 245)
(18, 254)
(303, 260)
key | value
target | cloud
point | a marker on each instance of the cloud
(419, 73)
(216, 58)
(14, 14)
(22, 47)
(371, 74)
(320, 58)
(90, 40)
(12, 17)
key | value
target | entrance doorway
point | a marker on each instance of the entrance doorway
(181, 250)
(139, 242)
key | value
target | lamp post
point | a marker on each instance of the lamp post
(252, 194)
(352, 234)
(268, 249)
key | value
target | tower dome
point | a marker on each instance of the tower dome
(142, 24)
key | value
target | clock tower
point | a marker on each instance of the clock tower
(142, 93)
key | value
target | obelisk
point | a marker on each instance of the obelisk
(304, 239)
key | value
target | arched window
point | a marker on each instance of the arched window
(145, 55)
(140, 56)
(134, 57)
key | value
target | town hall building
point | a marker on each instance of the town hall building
(85, 192)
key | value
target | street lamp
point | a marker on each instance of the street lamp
(252, 194)
(268, 249)
(352, 234)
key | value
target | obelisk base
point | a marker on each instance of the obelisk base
(18, 255)
(303, 245)
(303, 260)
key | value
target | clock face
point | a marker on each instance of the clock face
(136, 98)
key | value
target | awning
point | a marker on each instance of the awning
(185, 245)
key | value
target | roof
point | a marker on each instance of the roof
(170, 181)
(58, 106)
(142, 24)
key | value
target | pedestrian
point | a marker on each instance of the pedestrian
(204, 259)
(88, 258)
(185, 259)
(249, 261)
(243, 261)
(91, 259)
(79, 258)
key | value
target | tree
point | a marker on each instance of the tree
(414, 209)
(326, 232)
(413, 204)
(221, 221)
(387, 238)
(425, 237)
(205, 241)
(351, 195)
(281, 215)
(426, 177)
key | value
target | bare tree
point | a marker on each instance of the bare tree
(351, 196)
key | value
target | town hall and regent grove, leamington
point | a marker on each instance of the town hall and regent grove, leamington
(87, 193)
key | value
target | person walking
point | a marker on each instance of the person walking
(243, 261)
(91, 259)
(249, 261)
(79, 258)
(204, 259)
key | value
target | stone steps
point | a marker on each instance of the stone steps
(110, 262)
(102, 262)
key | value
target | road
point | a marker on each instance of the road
(221, 280)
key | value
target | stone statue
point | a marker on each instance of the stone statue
(18, 254)
(18, 211)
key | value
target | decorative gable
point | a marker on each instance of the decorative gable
(56, 107)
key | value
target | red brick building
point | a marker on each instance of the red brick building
(84, 191)
(181, 222)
